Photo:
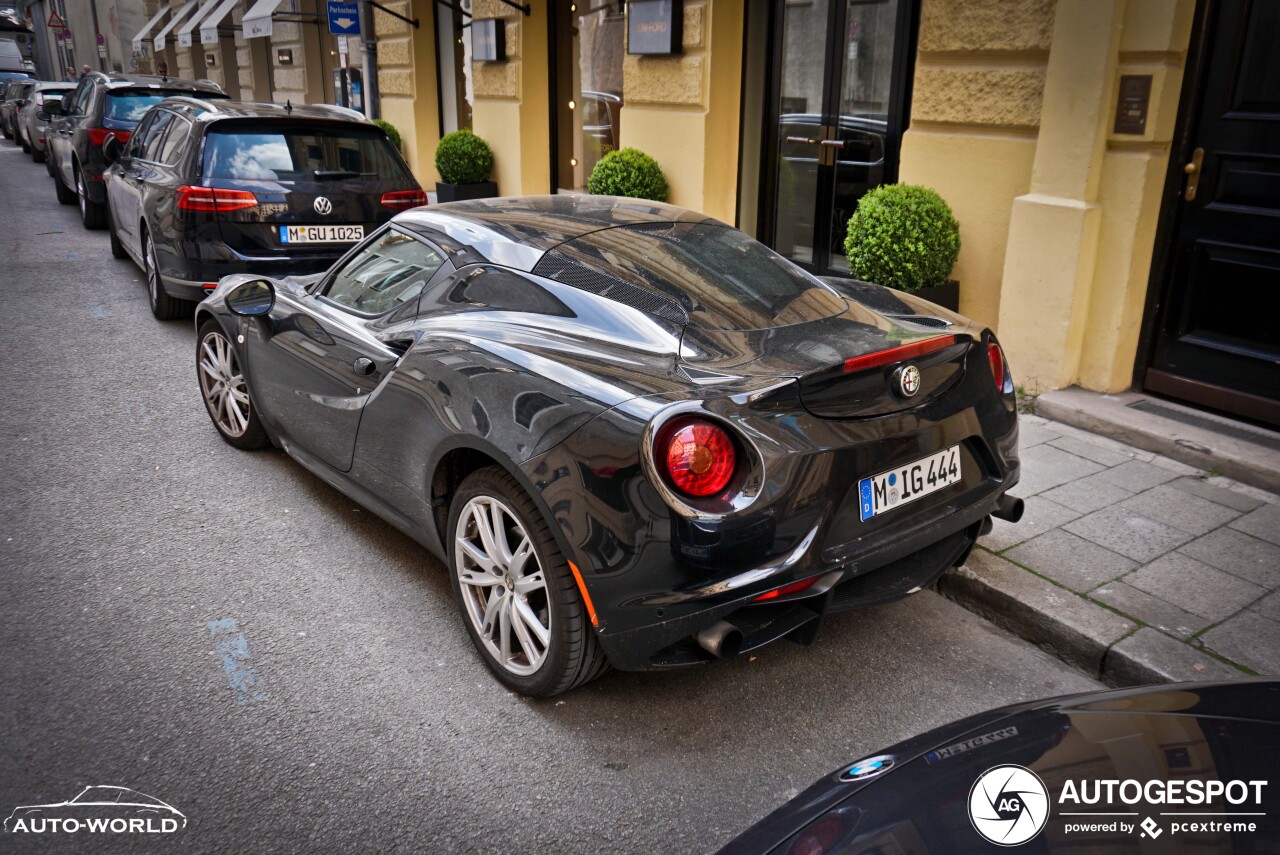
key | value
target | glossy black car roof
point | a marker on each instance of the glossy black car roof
(517, 231)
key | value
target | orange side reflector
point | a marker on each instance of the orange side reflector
(586, 598)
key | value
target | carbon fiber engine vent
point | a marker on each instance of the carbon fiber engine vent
(560, 268)
(923, 320)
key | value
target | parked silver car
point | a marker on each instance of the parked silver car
(34, 118)
(12, 93)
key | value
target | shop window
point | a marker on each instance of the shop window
(588, 44)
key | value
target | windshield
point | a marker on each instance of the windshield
(290, 153)
(129, 106)
(723, 278)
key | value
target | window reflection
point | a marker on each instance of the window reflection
(390, 272)
(590, 42)
(299, 153)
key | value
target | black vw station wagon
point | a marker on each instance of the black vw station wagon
(206, 189)
(103, 104)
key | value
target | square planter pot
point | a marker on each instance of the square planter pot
(462, 192)
(947, 296)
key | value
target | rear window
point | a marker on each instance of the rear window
(129, 106)
(720, 277)
(300, 153)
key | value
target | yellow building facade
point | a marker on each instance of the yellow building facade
(1055, 129)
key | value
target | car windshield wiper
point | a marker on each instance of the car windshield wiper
(322, 174)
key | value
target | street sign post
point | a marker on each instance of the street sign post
(55, 21)
(344, 18)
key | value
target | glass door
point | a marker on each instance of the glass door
(841, 73)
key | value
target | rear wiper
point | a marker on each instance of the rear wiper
(322, 174)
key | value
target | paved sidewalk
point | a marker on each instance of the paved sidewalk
(1133, 566)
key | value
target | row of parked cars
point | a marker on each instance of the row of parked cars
(192, 185)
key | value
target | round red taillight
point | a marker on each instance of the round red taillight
(699, 457)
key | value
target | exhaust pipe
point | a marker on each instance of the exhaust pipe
(722, 640)
(1009, 508)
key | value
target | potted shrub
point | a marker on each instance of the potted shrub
(628, 172)
(465, 163)
(906, 237)
(391, 132)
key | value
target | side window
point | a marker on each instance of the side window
(152, 139)
(179, 130)
(75, 103)
(386, 274)
(134, 149)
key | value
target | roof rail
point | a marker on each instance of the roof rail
(189, 101)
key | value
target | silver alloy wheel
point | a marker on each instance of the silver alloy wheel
(504, 587)
(223, 386)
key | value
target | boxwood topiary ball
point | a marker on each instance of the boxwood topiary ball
(902, 236)
(390, 131)
(463, 158)
(628, 172)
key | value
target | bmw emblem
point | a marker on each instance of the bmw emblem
(322, 205)
(869, 768)
(908, 381)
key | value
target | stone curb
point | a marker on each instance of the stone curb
(1112, 416)
(1050, 617)
(1097, 640)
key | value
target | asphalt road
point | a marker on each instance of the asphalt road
(128, 527)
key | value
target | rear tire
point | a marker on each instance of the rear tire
(225, 390)
(92, 214)
(510, 579)
(65, 194)
(164, 307)
(117, 248)
(22, 141)
(37, 155)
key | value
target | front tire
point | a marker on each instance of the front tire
(225, 390)
(92, 214)
(517, 595)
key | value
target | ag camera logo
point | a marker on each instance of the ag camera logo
(1008, 805)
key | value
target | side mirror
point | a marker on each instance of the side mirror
(253, 298)
(53, 108)
(111, 148)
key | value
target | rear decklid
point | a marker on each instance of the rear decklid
(748, 312)
(317, 186)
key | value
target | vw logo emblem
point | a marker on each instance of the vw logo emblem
(323, 205)
(908, 379)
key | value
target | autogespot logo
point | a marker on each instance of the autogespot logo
(1008, 805)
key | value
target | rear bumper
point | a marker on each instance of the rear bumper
(184, 277)
(889, 573)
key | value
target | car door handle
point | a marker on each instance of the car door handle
(364, 366)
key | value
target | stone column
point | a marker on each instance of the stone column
(1054, 229)
(407, 83)
(512, 108)
(684, 110)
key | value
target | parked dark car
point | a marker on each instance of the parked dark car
(635, 435)
(12, 97)
(205, 189)
(103, 103)
(33, 121)
(1153, 755)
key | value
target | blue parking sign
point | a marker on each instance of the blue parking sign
(344, 18)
